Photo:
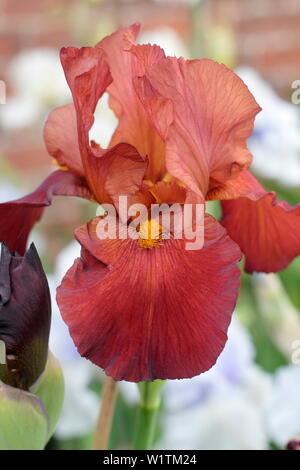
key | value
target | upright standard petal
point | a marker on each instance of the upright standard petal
(267, 230)
(88, 76)
(61, 138)
(151, 313)
(18, 217)
(213, 116)
(118, 170)
(25, 312)
(125, 61)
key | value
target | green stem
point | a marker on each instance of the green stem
(150, 397)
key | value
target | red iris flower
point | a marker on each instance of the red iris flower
(151, 310)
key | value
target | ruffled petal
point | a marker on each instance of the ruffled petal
(18, 217)
(120, 169)
(126, 61)
(88, 76)
(168, 192)
(244, 185)
(143, 314)
(61, 138)
(267, 230)
(213, 116)
(117, 171)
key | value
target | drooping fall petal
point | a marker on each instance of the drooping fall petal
(125, 61)
(18, 217)
(25, 312)
(267, 230)
(151, 313)
(213, 116)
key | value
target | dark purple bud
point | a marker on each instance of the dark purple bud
(4, 275)
(25, 314)
(293, 444)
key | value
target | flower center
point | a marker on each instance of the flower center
(60, 167)
(150, 234)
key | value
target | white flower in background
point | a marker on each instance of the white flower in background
(283, 410)
(231, 367)
(167, 39)
(275, 143)
(38, 83)
(8, 192)
(38, 74)
(257, 386)
(66, 258)
(280, 317)
(18, 112)
(206, 412)
(81, 405)
(105, 123)
(129, 391)
(225, 422)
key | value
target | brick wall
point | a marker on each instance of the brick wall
(267, 36)
(56, 23)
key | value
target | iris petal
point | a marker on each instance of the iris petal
(148, 314)
(18, 217)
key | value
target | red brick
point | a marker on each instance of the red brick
(19, 8)
(8, 44)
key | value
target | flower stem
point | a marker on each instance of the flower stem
(108, 401)
(150, 397)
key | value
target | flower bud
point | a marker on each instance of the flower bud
(23, 420)
(50, 388)
(293, 444)
(25, 314)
